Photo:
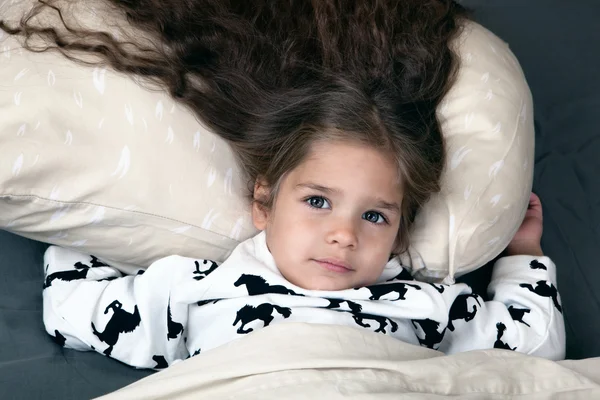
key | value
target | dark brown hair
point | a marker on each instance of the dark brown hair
(272, 76)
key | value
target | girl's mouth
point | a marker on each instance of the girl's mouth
(334, 265)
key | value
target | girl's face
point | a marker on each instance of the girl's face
(335, 219)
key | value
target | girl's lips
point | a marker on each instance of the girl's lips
(334, 266)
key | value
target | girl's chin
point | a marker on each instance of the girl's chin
(325, 284)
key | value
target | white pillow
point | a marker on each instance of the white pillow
(91, 160)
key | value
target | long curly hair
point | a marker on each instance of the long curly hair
(272, 76)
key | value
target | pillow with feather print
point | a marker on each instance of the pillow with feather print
(91, 160)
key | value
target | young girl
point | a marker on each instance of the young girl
(330, 108)
(322, 257)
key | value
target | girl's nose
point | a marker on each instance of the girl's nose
(343, 233)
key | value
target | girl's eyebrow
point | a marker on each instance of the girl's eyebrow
(319, 188)
(386, 205)
(391, 207)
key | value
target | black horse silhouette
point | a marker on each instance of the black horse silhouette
(439, 288)
(537, 265)
(378, 291)
(383, 322)
(543, 289)
(58, 338)
(110, 278)
(336, 303)
(203, 274)
(95, 263)
(258, 285)
(173, 328)
(80, 272)
(161, 363)
(263, 312)
(499, 344)
(517, 314)
(430, 329)
(404, 275)
(120, 322)
(460, 309)
(205, 302)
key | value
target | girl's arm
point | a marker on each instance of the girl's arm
(525, 313)
(135, 319)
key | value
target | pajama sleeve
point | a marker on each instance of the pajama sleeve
(135, 319)
(524, 313)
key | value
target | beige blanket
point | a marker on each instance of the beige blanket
(309, 361)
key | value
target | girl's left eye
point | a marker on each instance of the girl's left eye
(318, 202)
(374, 217)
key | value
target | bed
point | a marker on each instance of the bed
(555, 43)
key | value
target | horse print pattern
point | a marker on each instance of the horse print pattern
(120, 322)
(58, 338)
(80, 272)
(440, 288)
(383, 322)
(256, 285)
(431, 330)
(534, 264)
(517, 314)
(208, 301)
(263, 312)
(337, 303)
(173, 328)
(399, 288)
(152, 313)
(195, 353)
(544, 289)
(201, 274)
(161, 363)
(460, 309)
(499, 344)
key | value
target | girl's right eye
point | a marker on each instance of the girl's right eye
(317, 202)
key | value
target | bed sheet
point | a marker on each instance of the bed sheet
(32, 366)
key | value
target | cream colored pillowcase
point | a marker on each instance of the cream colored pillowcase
(90, 160)
(487, 120)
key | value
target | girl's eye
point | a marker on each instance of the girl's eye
(374, 217)
(318, 202)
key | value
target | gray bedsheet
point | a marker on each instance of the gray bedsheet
(32, 366)
(557, 43)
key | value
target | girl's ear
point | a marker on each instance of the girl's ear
(260, 214)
